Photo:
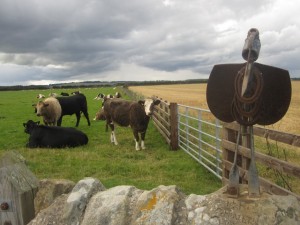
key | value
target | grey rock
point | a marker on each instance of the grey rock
(159, 206)
(111, 206)
(165, 205)
(78, 199)
(52, 215)
(49, 190)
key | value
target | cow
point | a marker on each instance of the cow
(64, 94)
(53, 137)
(100, 115)
(53, 95)
(50, 110)
(117, 95)
(128, 113)
(75, 93)
(99, 96)
(73, 104)
(103, 96)
(40, 96)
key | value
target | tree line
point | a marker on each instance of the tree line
(85, 84)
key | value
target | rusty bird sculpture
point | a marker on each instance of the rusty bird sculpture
(248, 93)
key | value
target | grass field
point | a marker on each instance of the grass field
(112, 165)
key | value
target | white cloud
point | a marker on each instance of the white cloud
(135, 72)
(43, 41)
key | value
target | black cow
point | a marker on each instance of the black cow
(75, 92)
(73, 104)
(53, 137)
(64, 94)
(126, 113)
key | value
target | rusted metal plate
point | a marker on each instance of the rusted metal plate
(220, 90)
(275, 96)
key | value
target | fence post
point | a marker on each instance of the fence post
(230, 135)
(173, 126)
(18, 188)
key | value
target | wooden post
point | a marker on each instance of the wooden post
(174, 126)
(18, 187)
(166, 109)
(230, 135)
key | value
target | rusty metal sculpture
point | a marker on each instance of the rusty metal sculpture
(249, 93)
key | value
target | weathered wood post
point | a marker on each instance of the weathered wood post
(230, 133)
(228, 156)
(174, 126)
(18, 187)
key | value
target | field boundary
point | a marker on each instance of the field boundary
(212, 144)
(284, 168)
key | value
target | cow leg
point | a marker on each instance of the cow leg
(113, 138)
(136, 138)
(143, 134)
(87, 117)
(78, 118)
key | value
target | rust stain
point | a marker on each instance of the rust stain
(151, 203)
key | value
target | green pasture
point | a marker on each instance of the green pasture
(112, 165)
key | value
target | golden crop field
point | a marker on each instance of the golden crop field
(195, 95)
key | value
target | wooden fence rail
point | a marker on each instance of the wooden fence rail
(166, 121)
(229, 143)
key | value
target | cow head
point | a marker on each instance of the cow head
(99, 96)
(30, 125)
(40, 96)
(117, 95)
(40, 108)
(75, 92)
(149, 104)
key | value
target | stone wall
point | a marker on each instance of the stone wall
(90, 203)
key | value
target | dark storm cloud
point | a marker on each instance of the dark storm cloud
(50, 41)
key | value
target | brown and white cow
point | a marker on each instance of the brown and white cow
(40, 96)
(103, 97)
(128, 113)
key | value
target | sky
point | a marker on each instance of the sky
(46, 41)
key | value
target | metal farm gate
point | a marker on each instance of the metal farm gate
(196, 131)
(199, 135)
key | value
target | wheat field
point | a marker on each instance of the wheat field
(195, 95)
